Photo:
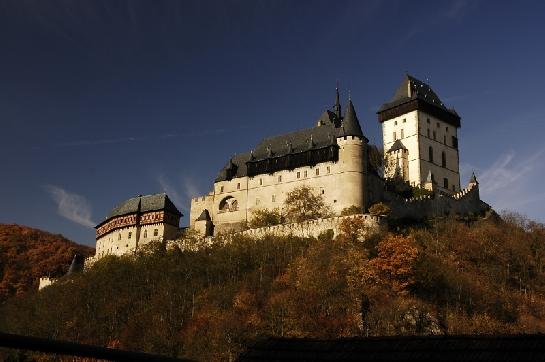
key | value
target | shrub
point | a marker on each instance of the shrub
(266, 217)
(351, 210)
(379, 209)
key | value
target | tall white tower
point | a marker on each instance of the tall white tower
(420, 136)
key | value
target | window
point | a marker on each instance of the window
(119, 238)
(428, 133)
(130, 234)
(279, 178)
(438, 125)
(446, 129)
(453, 188)
(323, 191)
(328, 169)
(443, 159)
(402, 135)
(257, 201)
(454, 142)
(434, 136)
(298, 174)
(445, 183)
(273, 198)
(145, 233)
(260, 181)
(430, 154)
(238, 186)
(404, 120)
(395, 123)
(305, 173)
(317, 172)
(221, 189)
(395, 138)
(155, 232)
(428, 120)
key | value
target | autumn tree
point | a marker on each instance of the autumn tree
(353, 228)
(395, 263)
(351, 210)
(303, 204)
(266, 217)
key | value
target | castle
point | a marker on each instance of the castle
(420, 138)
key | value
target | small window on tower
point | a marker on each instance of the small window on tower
(221, 189)
(279, 178)
(434, 136)
(443, 159)
(395, 123)
(430, 154)
(238, 186)
(305, 173)
(155, 232)
(428, 120)
(328, 169)
(317, 172)
(130, 234)
(404, 120)
(260, 181)
(402, 134)
(446, 129)
(445, 183)
(438, 125)
(428, 133)
(145, 234)
(298, 174)
(119, 238)
(395, 137)
(273, 198)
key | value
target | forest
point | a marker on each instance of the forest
(208, 303)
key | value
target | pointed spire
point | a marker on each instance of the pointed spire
(351, 125)
(473, 179)
(337, 106)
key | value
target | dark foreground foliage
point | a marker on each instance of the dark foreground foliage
(486, 277)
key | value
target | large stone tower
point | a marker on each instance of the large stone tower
(420, 137)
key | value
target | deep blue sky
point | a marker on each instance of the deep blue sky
(104, 100)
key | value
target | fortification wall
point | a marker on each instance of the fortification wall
(313, 228)
(463, 203)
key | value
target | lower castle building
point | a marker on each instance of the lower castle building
(136, 222)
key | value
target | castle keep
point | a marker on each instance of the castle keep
(420, 137)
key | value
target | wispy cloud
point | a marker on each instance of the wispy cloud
(71, 206)
(181, 195)
(511, 181)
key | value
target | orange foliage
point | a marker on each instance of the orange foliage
(395, 262)
(27, 254)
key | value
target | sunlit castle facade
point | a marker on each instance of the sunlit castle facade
(135, 222)
(420, 137)
(330, 158)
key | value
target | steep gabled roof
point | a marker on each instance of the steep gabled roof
(412, 89)
(277, 146)
(398, 145)
(144, 203)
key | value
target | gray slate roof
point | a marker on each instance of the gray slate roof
(143, 204)
(323, 135)
(419, 90)
(398, 145)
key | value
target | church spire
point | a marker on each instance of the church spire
(337, 106)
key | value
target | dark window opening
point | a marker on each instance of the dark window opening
(445, 183)
(430, 154)
(443, 159)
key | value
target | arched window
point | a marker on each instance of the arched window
(443, 159)
(430, 153)
(228, 204)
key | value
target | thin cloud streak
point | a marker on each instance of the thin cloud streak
(71, 206)
(181, 198)
(509, 183)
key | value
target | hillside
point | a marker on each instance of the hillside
(482, 277)
(26, 254)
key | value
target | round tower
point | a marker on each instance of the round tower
(353, 161)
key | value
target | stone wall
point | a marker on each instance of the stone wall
(313, 228)
(463, 203)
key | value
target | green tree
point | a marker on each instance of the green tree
(303, 204)
(266, 217)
